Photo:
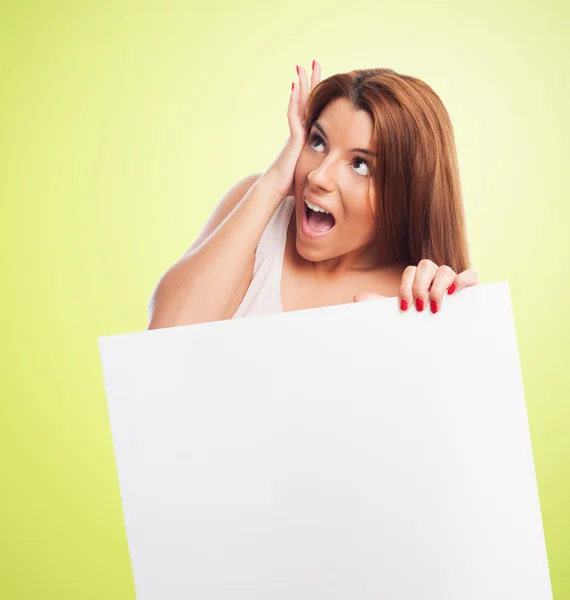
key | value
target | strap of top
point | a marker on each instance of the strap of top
(264, 293)
(272, 242)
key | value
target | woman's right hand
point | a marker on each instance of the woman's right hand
(281, 172)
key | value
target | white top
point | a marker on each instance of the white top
(263, 296)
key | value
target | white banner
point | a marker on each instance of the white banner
(352, 452)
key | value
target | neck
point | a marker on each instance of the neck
(357, 261)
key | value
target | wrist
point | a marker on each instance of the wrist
(272, 187)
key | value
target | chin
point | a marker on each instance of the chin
(310, 254)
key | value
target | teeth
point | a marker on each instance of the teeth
(315, 207)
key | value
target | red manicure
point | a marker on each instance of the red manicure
(297, 69)
(292, 86)
(433, 306)
(451, 289)
(313, 65)
(420, 304)
(404, 304)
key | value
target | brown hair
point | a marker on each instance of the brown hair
(420, 206)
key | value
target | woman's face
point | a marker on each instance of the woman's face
(334, 176)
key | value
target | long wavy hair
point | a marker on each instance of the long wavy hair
(420, 207)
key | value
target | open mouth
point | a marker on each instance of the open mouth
(317, 220)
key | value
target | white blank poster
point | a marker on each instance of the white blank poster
(351, 452)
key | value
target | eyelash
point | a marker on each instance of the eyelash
(315, 137)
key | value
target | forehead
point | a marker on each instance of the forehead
(342, 121)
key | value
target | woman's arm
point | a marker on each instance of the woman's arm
(209, 282)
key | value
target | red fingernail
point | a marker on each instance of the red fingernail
(313, 65)
(420, 304)
(404, 304)
(451, 289)
(297, 69)
(433, 306)
(292, 86)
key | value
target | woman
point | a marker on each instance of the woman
(363, 202)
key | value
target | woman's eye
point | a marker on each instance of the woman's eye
(362, 161)
(317, 139)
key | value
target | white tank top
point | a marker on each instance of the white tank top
(263, 296)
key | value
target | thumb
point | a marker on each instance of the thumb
(364, 296)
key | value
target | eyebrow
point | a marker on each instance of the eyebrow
(363, 150)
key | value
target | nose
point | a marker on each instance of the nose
(323, 176)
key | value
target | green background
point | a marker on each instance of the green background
(121, 126)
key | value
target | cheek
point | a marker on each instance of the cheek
(365, 212)
(361, 221)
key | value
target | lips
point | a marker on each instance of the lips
(314, 200)
(316, 224)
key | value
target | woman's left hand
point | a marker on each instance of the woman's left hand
(426, 282)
